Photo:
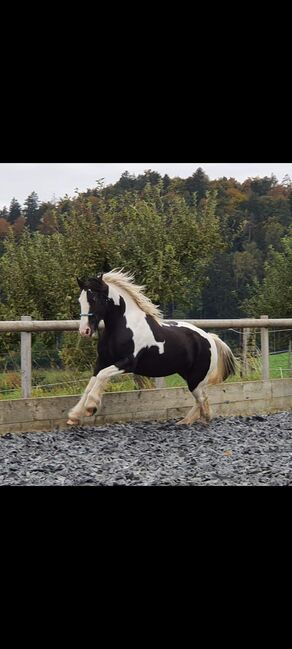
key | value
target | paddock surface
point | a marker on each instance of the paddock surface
(255, 450)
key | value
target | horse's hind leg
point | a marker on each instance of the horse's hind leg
(201, 410)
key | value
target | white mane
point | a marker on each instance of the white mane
(125, 281)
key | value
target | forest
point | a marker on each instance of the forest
(203, 248)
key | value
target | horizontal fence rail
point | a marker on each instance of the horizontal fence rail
(72, 325)
(14, 326)
(26, 326)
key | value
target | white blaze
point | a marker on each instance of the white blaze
(84, 304)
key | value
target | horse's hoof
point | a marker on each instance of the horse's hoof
(182, 421)
(73, 422)
(89, 412)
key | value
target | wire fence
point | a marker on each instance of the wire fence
(62, 362)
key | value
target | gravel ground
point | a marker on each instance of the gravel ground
(230, 451)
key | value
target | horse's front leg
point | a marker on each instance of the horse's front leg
(79, 410)
(94, 397)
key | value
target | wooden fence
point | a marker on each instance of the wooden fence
(26, 326)
(226, 399)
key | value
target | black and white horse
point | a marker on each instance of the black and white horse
(136, 339)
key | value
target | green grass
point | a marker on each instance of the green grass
(51, 382)
(278, 361)
(174, 381)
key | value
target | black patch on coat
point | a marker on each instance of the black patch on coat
(186, 352)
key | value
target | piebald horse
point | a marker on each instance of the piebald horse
(136, 339)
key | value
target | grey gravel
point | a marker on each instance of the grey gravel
(229, 451)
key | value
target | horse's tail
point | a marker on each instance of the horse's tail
(226, 365)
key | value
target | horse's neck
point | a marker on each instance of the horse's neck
(114, 294)
(132, 312)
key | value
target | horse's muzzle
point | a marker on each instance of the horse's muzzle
(86, 332)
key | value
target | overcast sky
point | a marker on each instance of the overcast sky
(54, 180)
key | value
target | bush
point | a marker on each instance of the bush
(77, 352)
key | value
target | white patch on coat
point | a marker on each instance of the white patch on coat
(84, 304)
(136, 320)
(113, 294)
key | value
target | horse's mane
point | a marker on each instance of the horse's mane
(125, 281)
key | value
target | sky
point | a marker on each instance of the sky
(51, 181)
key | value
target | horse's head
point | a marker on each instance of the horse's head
(93, 302)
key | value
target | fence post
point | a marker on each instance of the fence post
(25, 342)
(245, 336)
(265, 351)
(159, 382)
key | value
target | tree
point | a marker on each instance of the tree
(290, 200)
(166, 182)
(14, 211)
(19, 226)
(4, 227)
(126, 181)
(47, 215)
(31, 211)
(220, 298)
(198, 183)
(4, 213)
(274, 232)
(247, 265)
(152, 177)
(262, 186)
(274, 294)
(161, 239)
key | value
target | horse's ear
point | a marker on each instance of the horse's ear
(80, 282)
(101, 285)
(106, 267)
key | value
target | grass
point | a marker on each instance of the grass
(52, 382)
(280, 362)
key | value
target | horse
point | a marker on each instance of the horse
(134, 338)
